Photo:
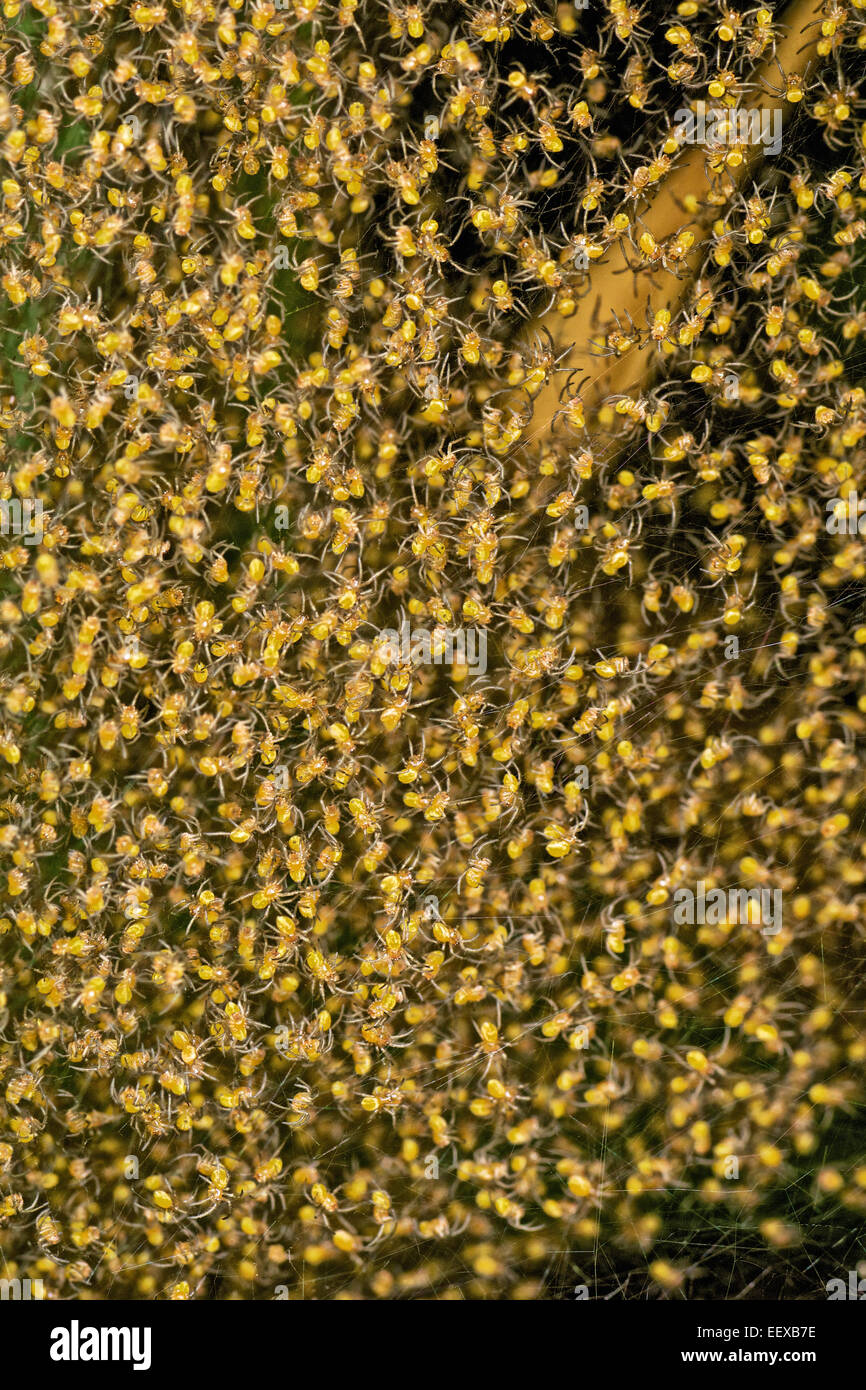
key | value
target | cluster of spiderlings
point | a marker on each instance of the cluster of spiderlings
(324, 973)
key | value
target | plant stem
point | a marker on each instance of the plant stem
(647, 291)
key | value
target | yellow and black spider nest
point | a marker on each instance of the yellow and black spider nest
(329, 973)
